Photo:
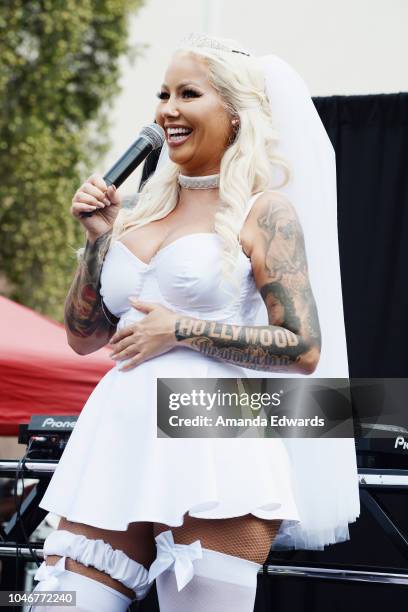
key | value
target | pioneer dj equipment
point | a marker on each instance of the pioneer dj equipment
(48, 435)
(382, 447)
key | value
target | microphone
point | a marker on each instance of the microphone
(150, 138)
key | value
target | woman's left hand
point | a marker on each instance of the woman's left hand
(152, 336)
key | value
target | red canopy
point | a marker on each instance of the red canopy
(39, 372)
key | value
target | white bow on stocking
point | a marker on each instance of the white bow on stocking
(181, 555)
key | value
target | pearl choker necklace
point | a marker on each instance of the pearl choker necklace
(199, 182)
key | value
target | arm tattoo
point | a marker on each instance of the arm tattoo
(288, 295)
(84, 310)
(265, 347)
(292, 339)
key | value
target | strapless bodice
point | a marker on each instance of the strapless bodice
(185, 276)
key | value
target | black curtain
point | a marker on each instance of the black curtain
(370, 136)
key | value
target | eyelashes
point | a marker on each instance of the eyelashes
(163, 95)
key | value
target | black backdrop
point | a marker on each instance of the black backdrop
(370, 136)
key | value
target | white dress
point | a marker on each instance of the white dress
(115, 470)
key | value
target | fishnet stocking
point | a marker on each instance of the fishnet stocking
(246, 536)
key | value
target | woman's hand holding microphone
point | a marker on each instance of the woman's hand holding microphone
(95, 196)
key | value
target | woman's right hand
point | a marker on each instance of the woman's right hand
(104, 202)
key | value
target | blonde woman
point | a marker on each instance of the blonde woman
(176, 285)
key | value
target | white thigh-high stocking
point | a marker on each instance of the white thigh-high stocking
(91, 595)
(190, 578)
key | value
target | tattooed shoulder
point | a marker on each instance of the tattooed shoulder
(282, 271)
(281, 238)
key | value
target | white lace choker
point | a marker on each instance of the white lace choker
(199, 182)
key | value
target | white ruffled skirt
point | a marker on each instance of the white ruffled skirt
(115, 470)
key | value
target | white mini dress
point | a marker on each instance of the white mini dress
(114, 470)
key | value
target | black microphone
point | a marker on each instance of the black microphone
(150, 138)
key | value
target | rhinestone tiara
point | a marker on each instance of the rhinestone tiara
(203, 40)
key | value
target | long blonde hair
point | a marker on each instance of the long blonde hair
(247, 164)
